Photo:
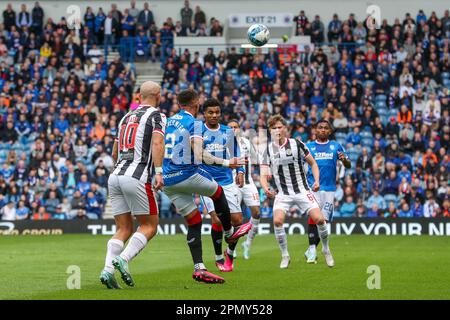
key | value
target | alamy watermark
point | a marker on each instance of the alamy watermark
(74, 279)
(374, 280)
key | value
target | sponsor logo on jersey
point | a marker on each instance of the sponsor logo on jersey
(215, 147)
(324, 156)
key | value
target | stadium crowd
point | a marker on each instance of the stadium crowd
(386, 91)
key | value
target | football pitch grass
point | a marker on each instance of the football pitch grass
(35, 267)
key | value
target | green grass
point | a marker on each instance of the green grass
(34, 267)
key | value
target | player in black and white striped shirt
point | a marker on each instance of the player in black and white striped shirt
(138, 152)
(286, 158)
(248, 193)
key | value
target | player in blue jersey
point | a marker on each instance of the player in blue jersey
(183, 177)
(221, 142)
(326, 153)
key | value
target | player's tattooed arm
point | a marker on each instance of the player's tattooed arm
(158, 155)
(315, 171)
(345, 160)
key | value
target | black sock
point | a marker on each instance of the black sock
(195, 242)
(222, 209)
(217, 235)
(313, 235)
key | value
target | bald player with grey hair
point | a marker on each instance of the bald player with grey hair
(138, 154)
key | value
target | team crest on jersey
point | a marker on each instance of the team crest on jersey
(289, 152)
(332, 147)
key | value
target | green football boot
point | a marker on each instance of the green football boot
(109, 280)
(122, 266)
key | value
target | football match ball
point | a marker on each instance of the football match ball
(258, 35)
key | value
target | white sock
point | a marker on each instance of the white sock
(253, 231)
(228, 233)
(113, 248)
(280, 234)
(137, 242)
(199, 266)
(219, 257)
(312, 248)
(230, 252)
(323, 235)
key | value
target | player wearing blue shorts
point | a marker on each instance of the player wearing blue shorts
(327, 153)
(221, 142)
(183, 177)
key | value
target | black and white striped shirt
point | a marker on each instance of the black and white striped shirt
(247, 151)
(287, 163)
(134, 142)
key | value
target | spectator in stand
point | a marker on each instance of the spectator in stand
(348, 209)
(146, 18)
(186, 15)
(377, 199)
(199, 16)
(301, 21)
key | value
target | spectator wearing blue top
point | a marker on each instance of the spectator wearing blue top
(373, 212)
(89, 19)
(93, 206)
(417, 209)
(421, 16)
(377, 199)
(334, 29)
(405, 212)
(84, 185)
(348, 208)
(128, 22)
(99, 26)
(142, 44)
(22, 211)
(405, 173)
(354, 138)
(392, 183)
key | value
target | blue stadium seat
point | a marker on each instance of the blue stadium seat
(446, 83)
(384, 120)
(368, 83)
(382, 112)
(366, 134)
(380, 97)
(367, 142)
(393, 113)
(445, 75)
(183, 86)
(341, 135)
(390, 197)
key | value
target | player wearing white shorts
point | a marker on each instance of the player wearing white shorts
(327, 154)
(221, 142)
(183, 177)
(284, 160)
(248, 193)
(137, 151)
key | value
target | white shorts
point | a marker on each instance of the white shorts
(128, 194)
(181, 193)
(232, 195)
(304, 201)
(249, 194)
(326, 202)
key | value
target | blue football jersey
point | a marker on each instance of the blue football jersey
(326, 155)
(179, 163)
(221, 143)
